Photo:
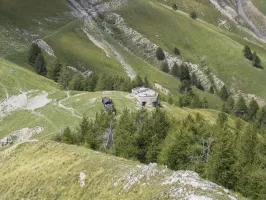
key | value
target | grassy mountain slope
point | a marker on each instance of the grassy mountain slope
(15, 79)
(47, 170)
(260, 4)
(68, 108)
(64, 34)
(222, 52)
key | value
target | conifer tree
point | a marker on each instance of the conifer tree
(40, 65)
(193, 15)
(224, 93)
(33, 53)
(253, 108)
(54, 72)
(160, 54)
(225, 108)
(205, 103)
(104, 83)
(184, 73)
(67, 137)
(221, 164)
(170, 100)
(126, 136)
(256, 60)
(93, 83)
(248, 147)
(176, 51)
(261, 118)
(165, 67)
(231, 103)
(185, 87)
(175, 6)
(211, 89)
(146, 82)
(77, 83)
(65, 78)
(247, 52)
(175, 70)
(199, 86)
(138, 82)
(194, 79)
(241, 108)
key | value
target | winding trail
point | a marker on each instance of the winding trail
(244, 16)
(68, 108)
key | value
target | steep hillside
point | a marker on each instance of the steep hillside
(46, 170)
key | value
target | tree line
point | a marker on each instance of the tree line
(232, 156)
(256, 61)
(73, 80)
(188, 98)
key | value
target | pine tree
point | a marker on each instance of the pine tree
(185, 87)
(175, 6)
(256, 60)
(193, 15)
(211, 89)
(194, 79)
(156, 129)
(225, 108)
(247, 52)
(33, 53)
(170, 100)
(104, 83)
(184, 73)
(248, 147)
(199, 86)
(146, 82)
(205, 103)
(54, 72)
(165, 67)
(253, 108)
(221, 164)
(222, 119)
(175, 70)
(160, 54)
(67, 137)
(126, 136)
(241, 108)
(138, 82)
(261, 118)
(77, 83)
(224, 93)
(40, 65)
(176, 51)
(231, 103)
(93, 83)
(65, 78)
(82, 130)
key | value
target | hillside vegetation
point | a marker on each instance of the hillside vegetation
(205, 58)
(45, 170)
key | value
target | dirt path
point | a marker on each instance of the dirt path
(72, 110)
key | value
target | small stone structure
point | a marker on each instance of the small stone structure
(146, 96)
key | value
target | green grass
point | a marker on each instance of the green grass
(48, 170)
(223, 50)
(73, 47)
(261, 5)
(15, 79)
(26, 14)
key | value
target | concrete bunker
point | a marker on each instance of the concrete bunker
(146, 96)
